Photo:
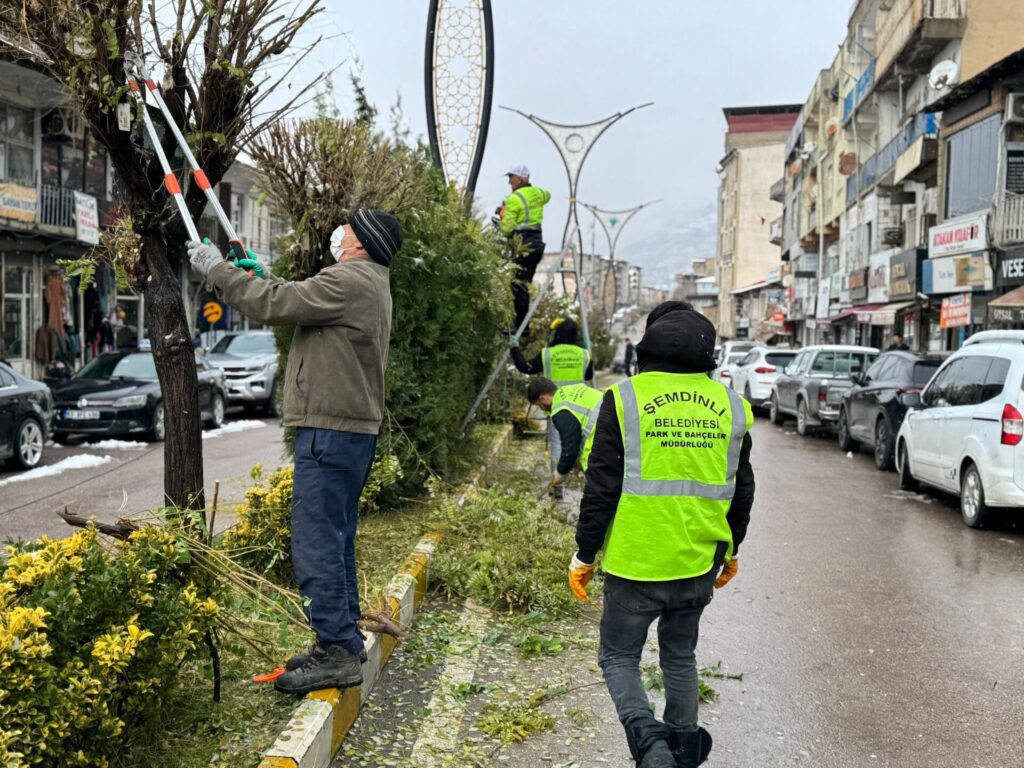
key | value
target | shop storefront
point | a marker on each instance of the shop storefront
(959, 262)
(902, 316)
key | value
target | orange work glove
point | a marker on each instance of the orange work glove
(580, 574)
(730, 569)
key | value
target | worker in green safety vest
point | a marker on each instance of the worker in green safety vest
(563, 360)
(668, 496)
(573, 410)
(520, 220)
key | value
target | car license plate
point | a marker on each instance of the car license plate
(81, 415)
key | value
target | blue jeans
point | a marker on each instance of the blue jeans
(630, 607)
(331, 468)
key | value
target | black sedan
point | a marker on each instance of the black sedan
(26, 410)
(118, 393)
(872, 411)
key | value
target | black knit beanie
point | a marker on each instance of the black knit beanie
(379, 233)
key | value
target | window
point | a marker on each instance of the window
(935, 394)
(137, 365)
(964, 384)
(995, 379)
(6, 379)
(779, 359)
(825, 362)
(236, 211)
(17, 157)
(17, 311)
(841, 364)
(972, 157)
(923, 372)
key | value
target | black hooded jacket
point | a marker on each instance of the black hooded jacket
(677, 342)
(566, 333)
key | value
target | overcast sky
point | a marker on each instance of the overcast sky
(581, 60)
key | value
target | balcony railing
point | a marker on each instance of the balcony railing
(56, 207)
(895, 28)
(882, 161)
(1008, 220)
(860, 91)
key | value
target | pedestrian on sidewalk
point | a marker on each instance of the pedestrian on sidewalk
(334, 396)
(520, 221)
(668, 496)
(630, 357)
(573, 410)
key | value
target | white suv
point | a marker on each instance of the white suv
(754, 376)
(964, 432)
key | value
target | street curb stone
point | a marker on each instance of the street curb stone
(319, 724)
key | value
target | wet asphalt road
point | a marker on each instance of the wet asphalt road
(132, 481)
(871, 627)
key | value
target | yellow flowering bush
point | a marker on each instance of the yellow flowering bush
(262, 536)
(92, 635)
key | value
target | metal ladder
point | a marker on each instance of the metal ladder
(577, 271)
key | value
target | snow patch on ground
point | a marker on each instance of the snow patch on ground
(81, 461)
(234, 426)
(118, 445)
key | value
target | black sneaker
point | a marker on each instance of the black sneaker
(299, 659)
(658, 756)
(330, 667)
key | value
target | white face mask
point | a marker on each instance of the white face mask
(336, 250)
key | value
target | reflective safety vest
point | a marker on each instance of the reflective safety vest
(524, 210)
(584, 403)
(565, 364)
(682, 435)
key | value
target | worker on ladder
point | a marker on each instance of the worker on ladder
(573, 409)
(520, 221)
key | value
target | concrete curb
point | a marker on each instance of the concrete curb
(320, 723)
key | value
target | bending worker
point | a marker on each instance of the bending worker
(573, 409)
(521, 218)
(334, 395)
(668, 496)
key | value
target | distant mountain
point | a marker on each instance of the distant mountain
(684, 238)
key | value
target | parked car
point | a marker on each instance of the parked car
(812, 386)
(757, 371)
(873, 410)
(249, 362)
(964, 432)
(117, 393)
(26, 412)
(729, 357)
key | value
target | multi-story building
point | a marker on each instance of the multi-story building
(755, 142)
(869, 173)
(699, 286)
(55, 199)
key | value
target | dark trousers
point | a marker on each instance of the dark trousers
(526, 266)
(331, 468)
(630, 607)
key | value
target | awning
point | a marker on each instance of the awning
(751, 287)
(887, 314)
(851, 313)
(1014, 298)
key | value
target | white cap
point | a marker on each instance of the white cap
(518, 170)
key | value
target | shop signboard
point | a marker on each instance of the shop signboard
(878, 277)
(858, 282)
(1011, 269)
(837, 286)
(903, 275)
(965, 234)
(956, 311)
(956, 274)
(1012, 317)
(824, 296)
(87, 224)
(18, 202)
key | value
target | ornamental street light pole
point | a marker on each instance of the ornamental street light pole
(613, 222)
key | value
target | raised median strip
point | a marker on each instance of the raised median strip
(318, 726)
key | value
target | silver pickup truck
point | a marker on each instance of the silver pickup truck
(811, 387)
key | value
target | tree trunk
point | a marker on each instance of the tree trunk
(176, 367)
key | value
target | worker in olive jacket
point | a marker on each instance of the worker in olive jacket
(334, 396)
